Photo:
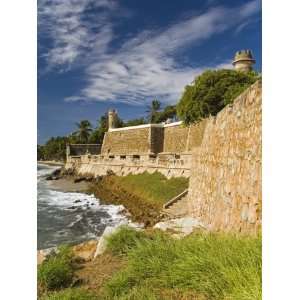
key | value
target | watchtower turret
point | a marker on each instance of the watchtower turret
(243, 60)
(112, 118)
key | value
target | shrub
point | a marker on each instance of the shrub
(70, 294)
(123, 240)
(211, 92)
(57, 271)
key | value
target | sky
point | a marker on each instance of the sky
(94, 55)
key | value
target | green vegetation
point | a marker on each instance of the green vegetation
(124, 241)
(54, 149)
(154, 188)
(212, 91)
(57, 271)
(152, 110)
(84, 129)
(153, 265)
(169, 112)
(213, 266)
(142, 194)
(70, 294)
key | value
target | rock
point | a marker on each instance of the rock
(77, 201)
(102, 242)
(71, 207)
(85, 250)
(56, 172)
(44, 253)
(181, 226)
(78, 179)
(55, 175)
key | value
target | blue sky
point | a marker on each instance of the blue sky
(99, 54)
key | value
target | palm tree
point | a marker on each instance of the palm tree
(153, 109)
(84, 131)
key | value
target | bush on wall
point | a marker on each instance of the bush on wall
(211, 92)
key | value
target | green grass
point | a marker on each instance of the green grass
(215, 266)
(126, 239)
(56, 271)
(155, 188)
(70, 294)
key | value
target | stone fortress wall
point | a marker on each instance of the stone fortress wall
(134, 150)
(225, 189)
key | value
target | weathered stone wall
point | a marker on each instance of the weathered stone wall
(175, 139)
(195, 135)
(98, 165)
(130, 141)
(181, 138)
(225, 181)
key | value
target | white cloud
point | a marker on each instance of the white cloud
(63, 22)
(144, 67)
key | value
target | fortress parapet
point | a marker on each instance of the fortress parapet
(243, 60)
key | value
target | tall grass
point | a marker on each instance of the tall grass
(126, 239)
(70, 294)
(56, 271)
(215, 266)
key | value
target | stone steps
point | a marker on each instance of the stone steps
(177, 209)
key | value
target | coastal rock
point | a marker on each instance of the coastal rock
(44, 253)
(180, 226)
(102, 242)
(85, 250)
(79, 179)
(55, 175)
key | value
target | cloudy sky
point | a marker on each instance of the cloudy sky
(99, 54)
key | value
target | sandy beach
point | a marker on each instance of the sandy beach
(51, 162)
(67, 185)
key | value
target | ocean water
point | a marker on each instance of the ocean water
(70, 217)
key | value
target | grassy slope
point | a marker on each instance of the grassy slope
(207, 266)
(143, 195)
(153, 188)
(152, 265)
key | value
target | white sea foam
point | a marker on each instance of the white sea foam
(71, 217)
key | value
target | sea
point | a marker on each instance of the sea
(70, 218)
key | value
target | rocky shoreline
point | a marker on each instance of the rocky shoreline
(138, 216)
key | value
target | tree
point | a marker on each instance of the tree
(169, 112)
(84, 131)
(211, 92)
(134, 122)
(54, 149)
(153, 109)
(98, 133)
(40, 152)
